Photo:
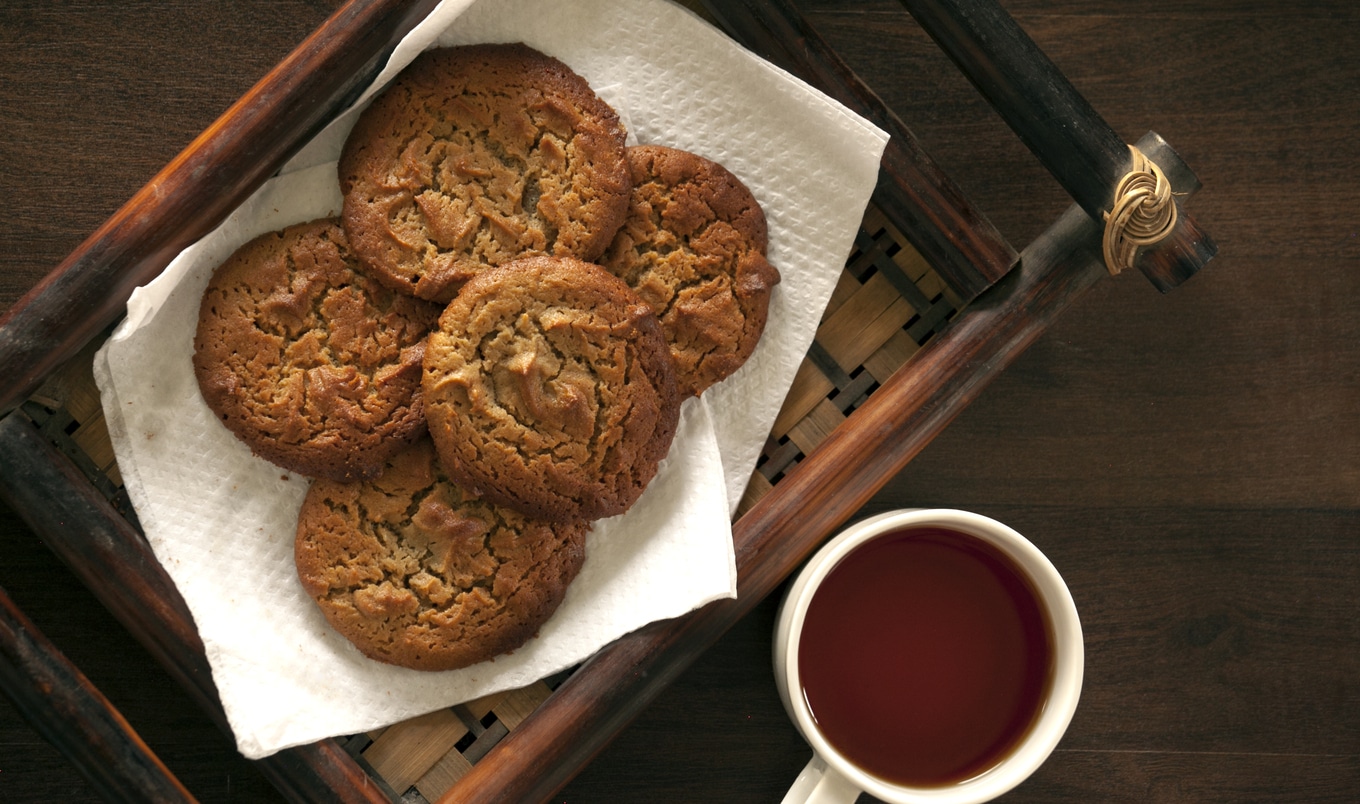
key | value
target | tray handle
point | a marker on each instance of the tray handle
(61, 704)
(1056, 123)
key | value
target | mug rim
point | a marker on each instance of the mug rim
(1058, 707)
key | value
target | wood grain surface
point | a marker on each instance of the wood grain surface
(1190, 462)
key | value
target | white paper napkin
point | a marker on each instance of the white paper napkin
(222, 521)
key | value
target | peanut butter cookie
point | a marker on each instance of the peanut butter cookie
(417, 572)
(693, 247)
(549, 388)
(477, 155)
(309, 361)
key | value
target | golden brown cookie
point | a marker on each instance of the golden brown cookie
(417, 572)
(693, 247)
(477, 155)
(549, 388)
(309, 361)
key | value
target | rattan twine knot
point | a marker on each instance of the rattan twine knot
(1144, 212)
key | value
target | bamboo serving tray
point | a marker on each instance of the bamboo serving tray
(932, 303)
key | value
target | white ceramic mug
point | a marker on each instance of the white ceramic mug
(830, 776)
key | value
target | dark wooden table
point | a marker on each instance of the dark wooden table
(1190, 462)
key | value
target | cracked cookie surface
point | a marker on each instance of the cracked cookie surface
(549, 388)
(415, 571)
(693, 247)
(311, 363)
(477, 155)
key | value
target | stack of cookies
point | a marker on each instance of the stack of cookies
(485, 352)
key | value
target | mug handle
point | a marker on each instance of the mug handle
(819, 783)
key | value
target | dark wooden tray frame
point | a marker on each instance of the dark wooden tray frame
(1010, 300)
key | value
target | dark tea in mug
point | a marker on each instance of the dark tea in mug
(925, 656)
